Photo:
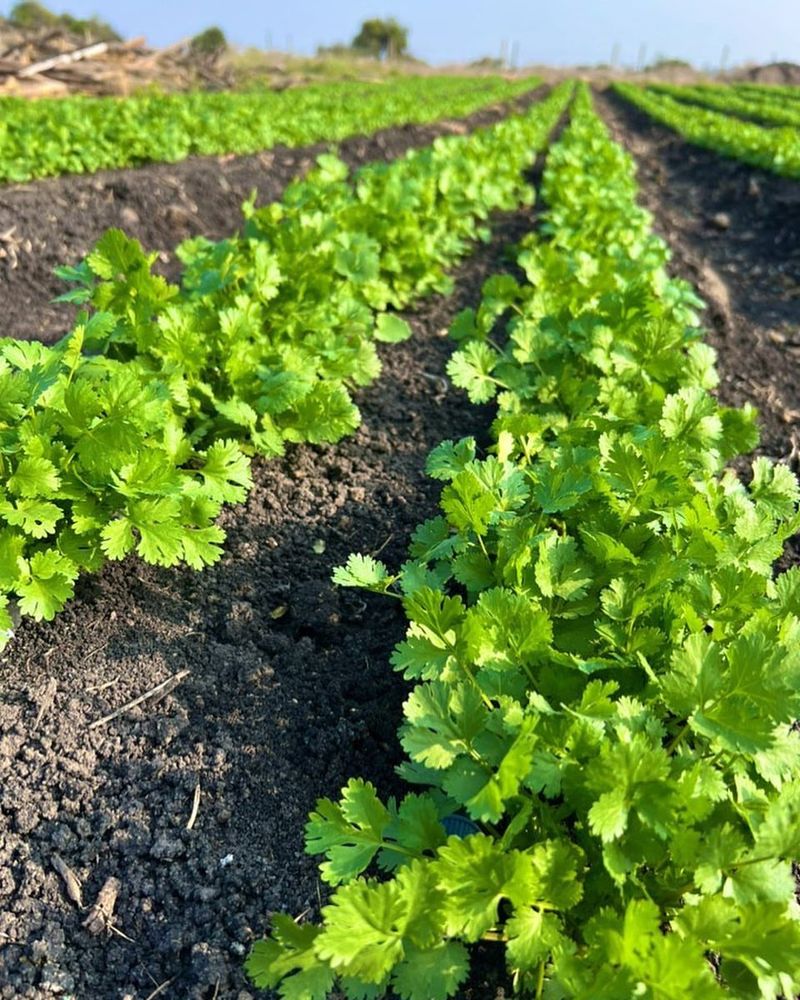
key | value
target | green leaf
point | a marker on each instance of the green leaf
(364, 572)
(560, 488)
(471, 369)
(449, 458)
(225, 472)
(505, 630)
(202, 547)
(34, 477)
(442, 723)
(467, 503)
(47, 586)
(532, 936)
(560, 572)
(778, 833)
(6, 623)
(348, 834)
(289, 956)
(556, 874)
(37, 518)
(477, 875)
(360, 936)
(116, 254)
(608, 816)
(415, 827)
(118, 538)
(433, 973)
(390, 329)
(774, 487)
(367, 923)
(692, 413)
(325, 414)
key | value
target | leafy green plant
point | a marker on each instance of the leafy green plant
(95, 464)
(606, 672)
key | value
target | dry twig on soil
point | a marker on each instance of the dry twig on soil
(71, 880)
(195, 806)
(158, 692)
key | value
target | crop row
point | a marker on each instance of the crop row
(775, 149)
(606, 672)
(761, 107)
(84, 134)
(787, 93)
(130, 433)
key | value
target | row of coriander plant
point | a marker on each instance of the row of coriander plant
(606, 671)
(82, 134)
(130, 433)
(773, 148)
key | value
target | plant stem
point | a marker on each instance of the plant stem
(540, 981)
(677, 738)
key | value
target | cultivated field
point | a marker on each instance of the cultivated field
(447, 493)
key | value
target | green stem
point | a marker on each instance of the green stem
(677, 738)
(486, 699)
(750, 861)
(540, 981)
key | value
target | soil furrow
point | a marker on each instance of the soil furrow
(289, 695)
(57, 221)
(735, 234)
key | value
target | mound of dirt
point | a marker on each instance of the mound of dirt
(778, 72)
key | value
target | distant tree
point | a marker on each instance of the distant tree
(91, 27)
(663, 62)
(31, 16)
(28, 15)
(381, 38)
(209, 43)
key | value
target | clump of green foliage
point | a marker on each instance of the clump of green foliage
(210, 43)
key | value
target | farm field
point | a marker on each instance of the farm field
(269, 686)
(60, 219)
(83, 135)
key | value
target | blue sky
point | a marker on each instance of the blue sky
(559, 32)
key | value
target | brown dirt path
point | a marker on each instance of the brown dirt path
(57, 221)
(735, 234)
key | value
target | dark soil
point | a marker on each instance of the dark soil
(289, 695)
(735, 234)
(48, 223)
